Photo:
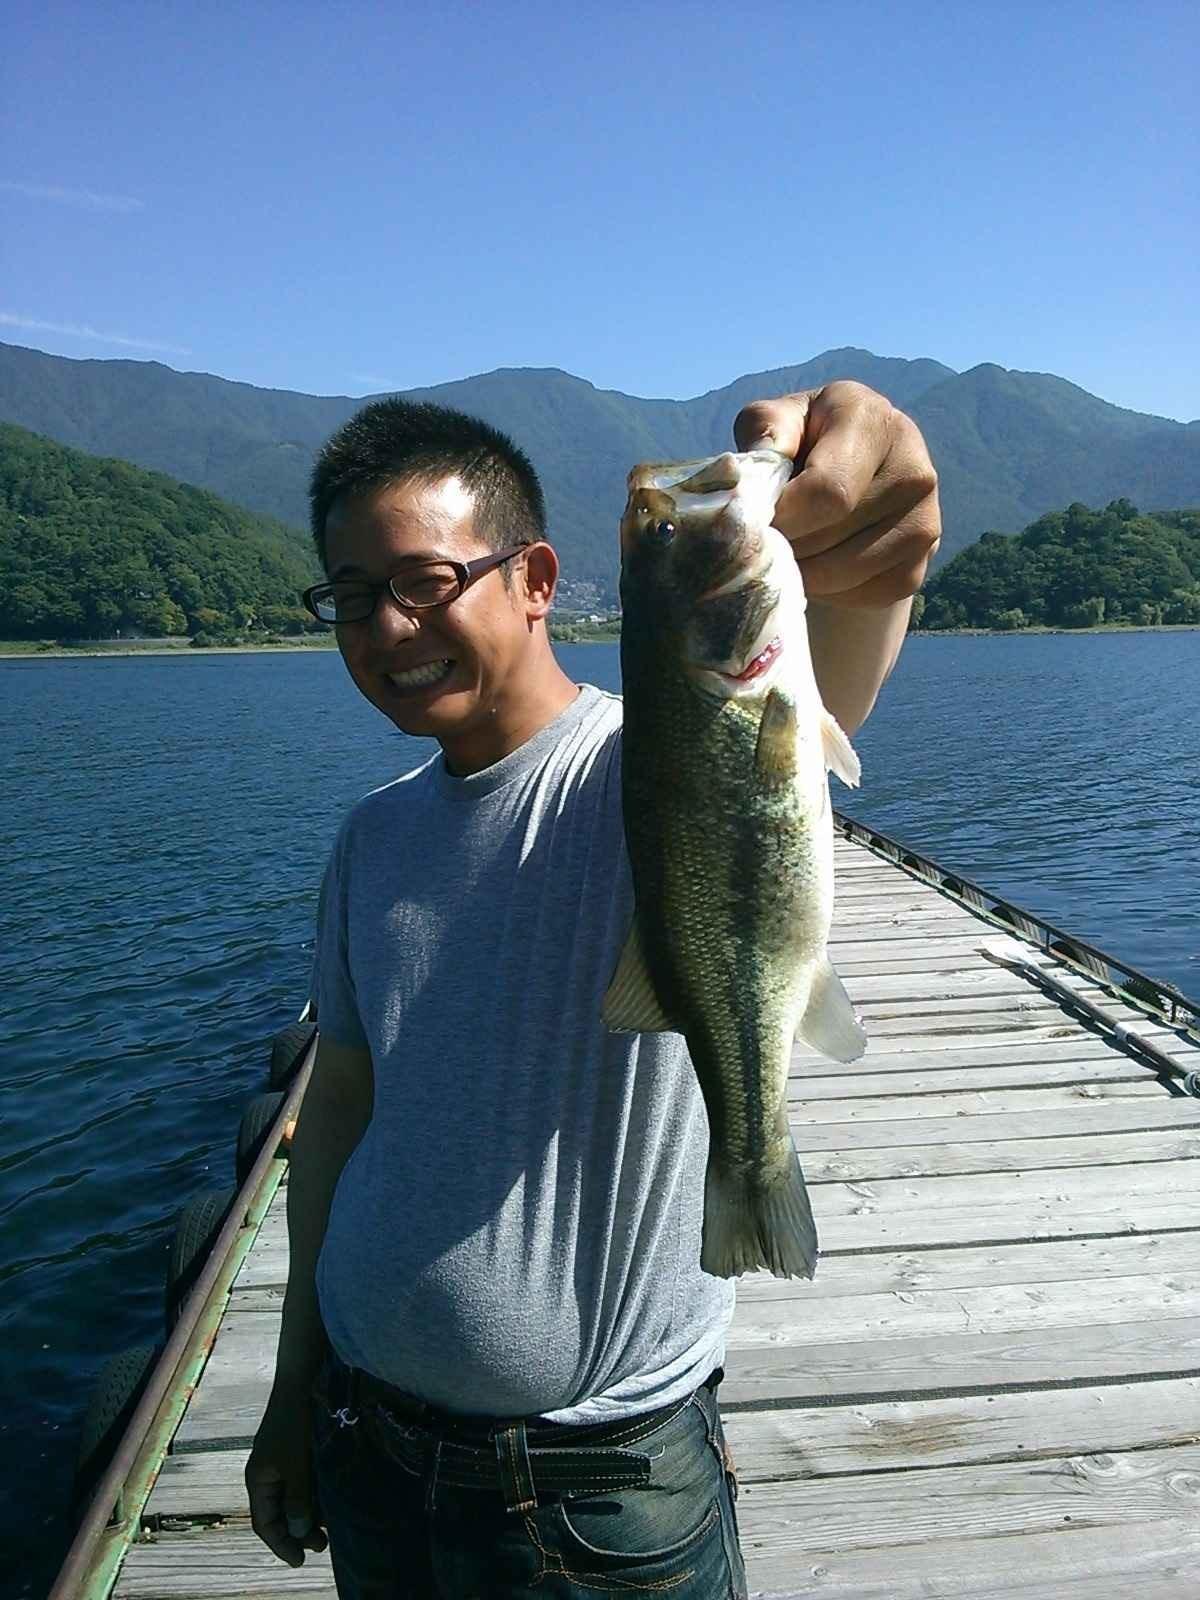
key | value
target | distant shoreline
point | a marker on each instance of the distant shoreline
(32, 650)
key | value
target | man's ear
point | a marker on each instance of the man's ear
(541, 580)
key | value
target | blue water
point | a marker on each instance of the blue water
(164, 823)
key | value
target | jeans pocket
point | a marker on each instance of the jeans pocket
(657, 1531)
(635, 1525)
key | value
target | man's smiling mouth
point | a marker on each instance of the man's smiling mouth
(422, 677)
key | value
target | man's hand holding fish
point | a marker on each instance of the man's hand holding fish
(862, 515)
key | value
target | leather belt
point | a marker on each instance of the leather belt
(519, 1459)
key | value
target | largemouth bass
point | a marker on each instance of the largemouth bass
(729, 828)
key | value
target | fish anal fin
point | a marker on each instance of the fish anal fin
(839, 752)
(775, 754)
(829, 1023)
(630, 1003)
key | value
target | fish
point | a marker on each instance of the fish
(726, 751)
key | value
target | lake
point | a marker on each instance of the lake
(165, 824)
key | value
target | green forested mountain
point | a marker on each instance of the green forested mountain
(1009, 445)
(94, 548)
(1074, 569)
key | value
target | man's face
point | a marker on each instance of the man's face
(483, 635)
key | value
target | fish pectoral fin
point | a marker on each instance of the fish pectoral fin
(829, 1024)
(630, 1003)
(775, 754)
(839, 752)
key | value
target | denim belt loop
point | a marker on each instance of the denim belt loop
(516, 1472)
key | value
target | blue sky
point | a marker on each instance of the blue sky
(657, 197)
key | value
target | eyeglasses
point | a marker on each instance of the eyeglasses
(417, 588)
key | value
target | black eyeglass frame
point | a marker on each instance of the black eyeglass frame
(466, 571)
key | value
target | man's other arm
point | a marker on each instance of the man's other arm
(333, 1117)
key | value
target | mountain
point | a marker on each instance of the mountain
(1009, 446)
(94, 548)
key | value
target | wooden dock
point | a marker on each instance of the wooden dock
(992, 1388)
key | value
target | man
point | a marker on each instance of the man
(498, 1361)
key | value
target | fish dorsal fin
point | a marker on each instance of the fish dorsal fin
(829, 1024)
(839, 752)
(775, 754)
(630, 1003)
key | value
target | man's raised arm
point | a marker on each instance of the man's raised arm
(862, 516)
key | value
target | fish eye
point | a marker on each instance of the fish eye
(665, 531)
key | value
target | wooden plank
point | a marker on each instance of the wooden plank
(820, 1441)
(218, 1564)
(870, 1319)
(888, 1108)
(816, 1441)
(1082, 1115)
(1152, 1560)
(951, 1080)
(1029, 1054)
(1003, 1155)
(1033, 1262)
(995, 1499)
(986, 1362)
(1095, 1191)
(922, 1040)
(980, 982)
(880, 931)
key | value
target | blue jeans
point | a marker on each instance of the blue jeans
(393, 1533)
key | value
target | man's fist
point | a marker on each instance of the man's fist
(861, 511)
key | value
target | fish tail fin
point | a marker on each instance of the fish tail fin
(747, 1226)
(829, 1023)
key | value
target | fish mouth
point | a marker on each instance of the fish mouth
(759, 664)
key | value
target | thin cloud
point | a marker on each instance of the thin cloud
(84, 199)
(372, 380)
(80, 330)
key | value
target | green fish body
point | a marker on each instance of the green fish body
(728, 824)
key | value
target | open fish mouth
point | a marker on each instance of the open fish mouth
(761, 663)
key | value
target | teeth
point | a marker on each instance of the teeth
(762, 661)
(419, 677)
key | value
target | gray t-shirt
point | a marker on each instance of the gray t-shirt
(518, 1233)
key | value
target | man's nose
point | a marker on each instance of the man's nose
(390, 620)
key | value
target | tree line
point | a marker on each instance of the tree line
(100, 549)
(1072, 569)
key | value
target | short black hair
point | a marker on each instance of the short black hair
(402, 441)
